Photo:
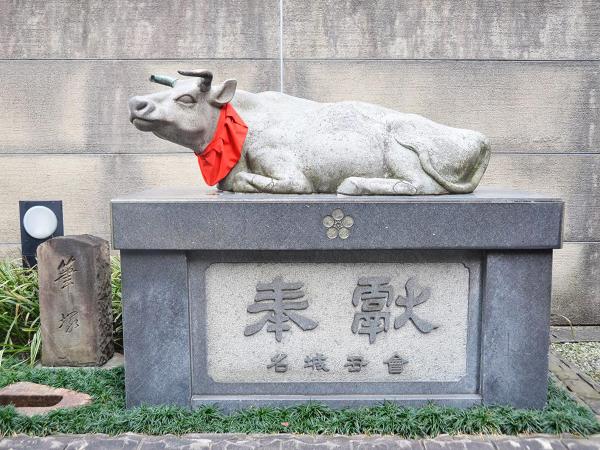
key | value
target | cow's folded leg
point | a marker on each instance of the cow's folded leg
(251, 182)
(375, 186)
(242, 182)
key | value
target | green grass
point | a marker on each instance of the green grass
(108, 415)
(20, 347)
(20, 315)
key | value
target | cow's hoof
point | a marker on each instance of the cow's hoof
(402, 187)
(350, 186)
(375, 186)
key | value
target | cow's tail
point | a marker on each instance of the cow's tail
(451, 186)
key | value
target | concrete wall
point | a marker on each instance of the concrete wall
(526, 73)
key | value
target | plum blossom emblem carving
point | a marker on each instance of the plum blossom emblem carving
(337, 224)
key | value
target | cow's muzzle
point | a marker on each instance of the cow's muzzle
(140, 108)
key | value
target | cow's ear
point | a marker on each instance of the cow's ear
(223, 93)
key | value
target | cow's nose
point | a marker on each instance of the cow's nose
(140, 106)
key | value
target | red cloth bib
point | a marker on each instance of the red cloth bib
(225, 149)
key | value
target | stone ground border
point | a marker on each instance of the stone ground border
(575, 333)
(580, 386)
(290, 441)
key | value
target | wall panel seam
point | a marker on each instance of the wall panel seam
(281, 46)
(139, 59)
(313, 59)
(444, 60)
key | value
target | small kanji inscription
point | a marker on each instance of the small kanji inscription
(70, 321)
(278, 363)
(316, 362)
(355, 363)
(66, 269)
(395, 364)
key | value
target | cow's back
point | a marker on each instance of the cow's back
(329, 142)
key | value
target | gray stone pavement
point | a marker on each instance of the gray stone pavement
(579, 385)
(291, 441)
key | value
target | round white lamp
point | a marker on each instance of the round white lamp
(40, 222)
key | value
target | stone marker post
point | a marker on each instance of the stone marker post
(75, 301)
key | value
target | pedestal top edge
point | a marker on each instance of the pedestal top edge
(199, 195)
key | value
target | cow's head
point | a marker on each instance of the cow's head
(187, 113)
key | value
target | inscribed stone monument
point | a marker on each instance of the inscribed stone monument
(250, 299)
(376, 289)
(75, 301)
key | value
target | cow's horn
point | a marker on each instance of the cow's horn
(206, 76)
(163, 79)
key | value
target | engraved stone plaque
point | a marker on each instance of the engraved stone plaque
(337, 322)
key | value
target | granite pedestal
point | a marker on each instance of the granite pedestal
(254, 299)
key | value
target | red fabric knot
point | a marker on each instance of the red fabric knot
(225, 149)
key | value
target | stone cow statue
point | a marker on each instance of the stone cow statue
(277, 143)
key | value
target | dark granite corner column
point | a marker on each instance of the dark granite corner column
(156, 331)
(515, 328)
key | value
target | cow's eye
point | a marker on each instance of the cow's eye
(187, 99)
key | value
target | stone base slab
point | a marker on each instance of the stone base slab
(117, 360)
(236, 402)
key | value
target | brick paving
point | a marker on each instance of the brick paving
(290, 441)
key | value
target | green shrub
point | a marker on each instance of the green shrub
(19, 331)
(107, 414)
(20, 313)
(117, 304)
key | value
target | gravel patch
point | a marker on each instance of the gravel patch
(586, 355)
